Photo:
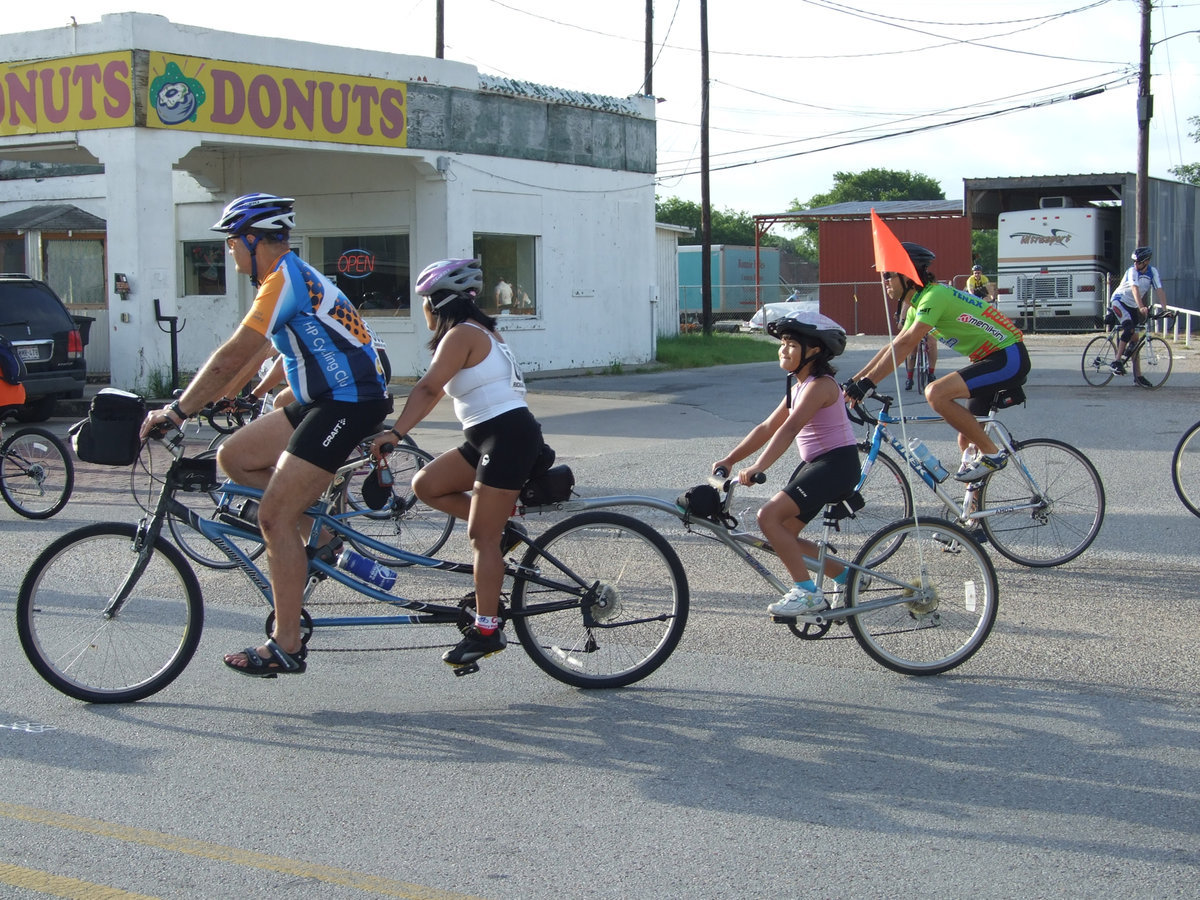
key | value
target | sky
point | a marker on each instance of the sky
(798, 89)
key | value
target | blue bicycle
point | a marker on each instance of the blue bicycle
(112, 612)
(1043, 509)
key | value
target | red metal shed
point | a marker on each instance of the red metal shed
(850, 290)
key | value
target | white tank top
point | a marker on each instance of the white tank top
(486, 390)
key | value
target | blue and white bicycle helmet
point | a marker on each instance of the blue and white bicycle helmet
(1142, 254)
(447, 279)
(257, 212)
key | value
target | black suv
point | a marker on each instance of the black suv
(47, 340)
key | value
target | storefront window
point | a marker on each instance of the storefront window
(203, 267)
(74, 267)
(509, 273)
(372, 270)
(12, 254)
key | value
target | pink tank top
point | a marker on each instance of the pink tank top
(829, 429)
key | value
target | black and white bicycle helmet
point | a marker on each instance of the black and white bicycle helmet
(805, 325)
(446, 279)
(1142, 254)
(921, 256)
(257, 212)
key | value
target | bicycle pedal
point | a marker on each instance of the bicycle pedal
(468, 669)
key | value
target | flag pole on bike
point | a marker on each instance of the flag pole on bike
(994, 346)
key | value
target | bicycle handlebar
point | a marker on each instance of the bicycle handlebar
(722, 482)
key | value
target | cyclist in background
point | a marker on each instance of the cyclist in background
(1131, 303)
(292, 453)
(479, 481)
(813, 414)
(979, 285)
(970, 327)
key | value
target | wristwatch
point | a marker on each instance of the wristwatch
(178, 410)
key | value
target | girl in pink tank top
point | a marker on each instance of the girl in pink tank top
(813, 414)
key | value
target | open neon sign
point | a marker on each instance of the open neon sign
(356, 264)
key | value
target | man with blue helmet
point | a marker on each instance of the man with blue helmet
(1131, 303)
(340, 396)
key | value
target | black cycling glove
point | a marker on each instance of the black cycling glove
(856, 390)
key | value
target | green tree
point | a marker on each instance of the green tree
(868, 186)
(729, 226)
(1189, 172)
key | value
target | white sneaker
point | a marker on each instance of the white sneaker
(797, 602)
(983, 467)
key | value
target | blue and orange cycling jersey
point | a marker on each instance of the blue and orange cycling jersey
(326, 346)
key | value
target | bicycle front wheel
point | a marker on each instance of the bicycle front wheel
(85, 650)
(1153, 362)
(887, 497)
(1045, 507)
(1097, 357)
(405, 522)
(36, 473)
(1185, 469)
(634, 606)
(949, 592)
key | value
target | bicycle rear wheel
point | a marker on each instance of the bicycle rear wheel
(1057, 516)
(887, 497)
(36, 473)
(950, 592)
(1153, 361)
(405, 522)
(636, 596)
(922, 372)
(1185, 469)
(1098, 355)
(85, 651)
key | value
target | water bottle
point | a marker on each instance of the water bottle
(367, 569)
(918, 449)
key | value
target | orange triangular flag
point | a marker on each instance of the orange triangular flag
(889, 255)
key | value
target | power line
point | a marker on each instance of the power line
(910, 131)
(1083, 88)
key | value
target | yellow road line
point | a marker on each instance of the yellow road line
(204, 849)
(62, 886)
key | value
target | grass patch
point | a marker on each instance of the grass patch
(693, 351)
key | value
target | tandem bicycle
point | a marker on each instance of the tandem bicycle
(924, 606)
(112, 612)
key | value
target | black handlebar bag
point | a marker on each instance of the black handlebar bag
(109, 435)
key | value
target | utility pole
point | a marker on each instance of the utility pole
(1145, 110)
(706, 313)
(648, 82)
(440, 30)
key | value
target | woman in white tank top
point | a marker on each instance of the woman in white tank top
(479, 481)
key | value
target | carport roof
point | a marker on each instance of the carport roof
(893, 209)
(52, 217)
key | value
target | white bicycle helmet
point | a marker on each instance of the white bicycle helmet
(446, 279)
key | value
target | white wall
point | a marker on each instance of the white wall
(596, 252)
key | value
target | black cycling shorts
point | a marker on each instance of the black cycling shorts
(829, 477)
(998, 371)
(504, 450)
(328, 431)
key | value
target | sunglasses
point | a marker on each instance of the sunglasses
(890, 274)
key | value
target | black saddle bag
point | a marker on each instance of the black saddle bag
(109, 435)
